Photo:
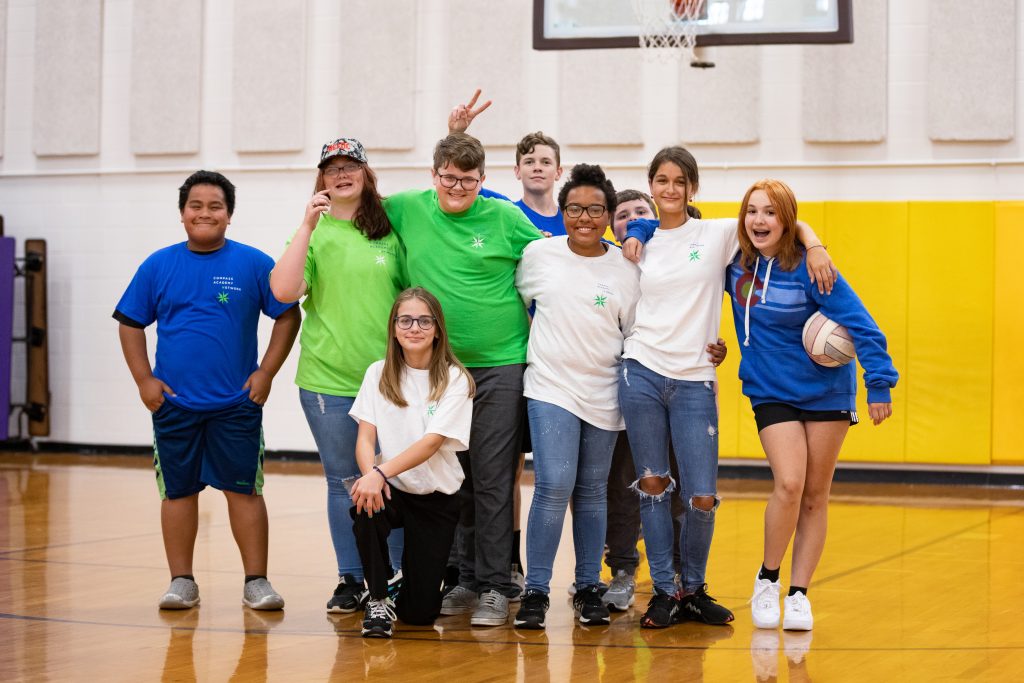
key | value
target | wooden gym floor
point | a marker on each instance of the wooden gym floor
(917, 584)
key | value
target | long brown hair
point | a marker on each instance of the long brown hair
(784, 202)
(441, 359)
(687, 164)
(370, 218)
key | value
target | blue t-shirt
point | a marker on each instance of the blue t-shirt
(552, 224)
(207, 308)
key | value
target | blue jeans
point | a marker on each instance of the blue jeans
(571, 458)
(656, 409)
(335, 434)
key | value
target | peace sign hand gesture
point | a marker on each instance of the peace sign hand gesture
(462, 115)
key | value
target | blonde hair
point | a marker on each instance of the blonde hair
(784, 202)
(441, 359)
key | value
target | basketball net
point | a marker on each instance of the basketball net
(668, 29)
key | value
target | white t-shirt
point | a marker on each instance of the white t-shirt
(682, 279)
(585, 308)
(399, 428)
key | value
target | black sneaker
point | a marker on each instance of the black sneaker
(699, 606)
(380, 614)
(532, 609)
(588, 608)
(349, 596)
(661, 612)
(395, 585)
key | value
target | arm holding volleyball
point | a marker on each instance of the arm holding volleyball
(880, 376)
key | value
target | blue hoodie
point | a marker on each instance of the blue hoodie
(774, 367)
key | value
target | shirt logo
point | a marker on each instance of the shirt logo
(694, 255)
(478, 242)
(431, 409)
(600, 301)
(381, 261)
(222, 297)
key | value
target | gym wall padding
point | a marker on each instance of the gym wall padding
(1007, 360)
(938, 277)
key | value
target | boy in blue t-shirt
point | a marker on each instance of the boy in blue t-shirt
(206, 391)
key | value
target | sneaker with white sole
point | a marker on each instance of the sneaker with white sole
(349, 596)
(181, 594)
(797, 613)
(379, 618)
(491, 610)
(588, 608)
(259, 594)
(601, 585)
(764, 603)
(459, 600)
(619, 596)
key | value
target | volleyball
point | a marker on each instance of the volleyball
(827, 342)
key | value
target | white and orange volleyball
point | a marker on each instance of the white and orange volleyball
(827, 342)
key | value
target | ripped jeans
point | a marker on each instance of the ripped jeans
(657, 408)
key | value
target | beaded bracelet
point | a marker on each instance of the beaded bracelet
(378, 471)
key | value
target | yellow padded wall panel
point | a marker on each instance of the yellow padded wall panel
(1008, 337)
(949, 333)
(868, 242)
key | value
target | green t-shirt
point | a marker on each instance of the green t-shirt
(352, 284)
(468, 261)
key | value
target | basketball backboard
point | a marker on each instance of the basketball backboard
(592, 24)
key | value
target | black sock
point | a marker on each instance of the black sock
(253, 577)
(793, 590)
(184, 576)
(516, 559)
(451, 576)
(770, 574)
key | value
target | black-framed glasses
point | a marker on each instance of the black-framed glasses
(425, 322)
(594, 210)
(467, 182)
(343, 169)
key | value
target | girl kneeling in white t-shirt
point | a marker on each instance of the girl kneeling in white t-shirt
(417, 404)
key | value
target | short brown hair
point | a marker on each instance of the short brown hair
(784, 202)
(530, 142)
(460, 150)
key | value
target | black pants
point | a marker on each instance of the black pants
(624, 511)
(429, 522)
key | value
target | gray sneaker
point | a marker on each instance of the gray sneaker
(458, 600)
(259, 594)
(181, 594)
(619, 596)
(491, 610)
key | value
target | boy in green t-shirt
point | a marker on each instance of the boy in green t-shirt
(464, 249)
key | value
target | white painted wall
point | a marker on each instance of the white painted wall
(102, 214)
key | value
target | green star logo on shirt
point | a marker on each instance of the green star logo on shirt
(478, 242)
(600, 301)
(222, 298)
(381, 261)
(431, 409)
(694, 255)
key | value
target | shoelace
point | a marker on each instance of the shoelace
(491, 600)
(800, 603)
(381, 609)
(762, 597)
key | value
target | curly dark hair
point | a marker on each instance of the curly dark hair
(588, 175)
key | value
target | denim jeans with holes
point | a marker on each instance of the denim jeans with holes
(335, 432)
(658, 409)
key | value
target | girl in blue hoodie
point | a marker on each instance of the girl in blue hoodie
(802, 410)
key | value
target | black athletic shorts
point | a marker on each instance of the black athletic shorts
(767, 414)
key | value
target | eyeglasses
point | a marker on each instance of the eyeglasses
(344, 169)
(467, 182)
(594, 210)
(425, 322)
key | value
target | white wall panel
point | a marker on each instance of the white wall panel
(166, 81)
(972, 52)
(66, 118)
(617, 121)
(845, 86)
(722, 104)
(269, 75)
(377, 83)
(486, 40)
(3, 69)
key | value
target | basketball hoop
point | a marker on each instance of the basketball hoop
(668, 29)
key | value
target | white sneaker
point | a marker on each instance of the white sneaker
(764, 603)
(798, 615)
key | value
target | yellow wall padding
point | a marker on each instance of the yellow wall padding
(1008, 337)
(868, 242)
(948, 372)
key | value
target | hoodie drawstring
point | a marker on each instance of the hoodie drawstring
(750, 293)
